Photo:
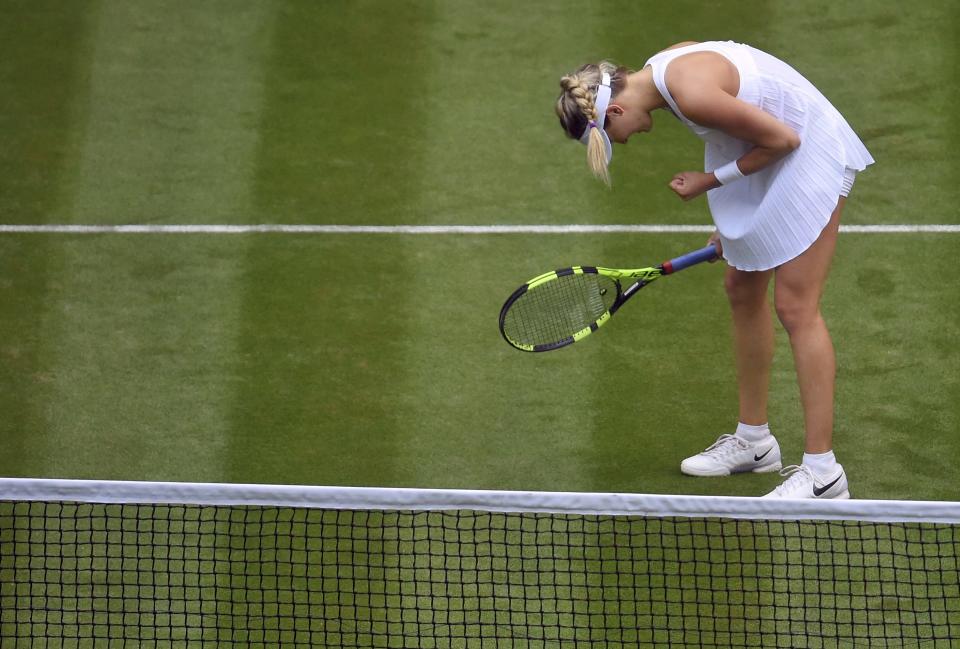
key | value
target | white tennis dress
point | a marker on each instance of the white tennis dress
(771, 216)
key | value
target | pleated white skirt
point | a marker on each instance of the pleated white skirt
(772, 216)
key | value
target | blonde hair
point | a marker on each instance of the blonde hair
(576, 108)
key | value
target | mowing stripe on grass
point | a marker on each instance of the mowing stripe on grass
(172, 122)
(42, 66)
(135, 342)
(434, 229)
(318, 378)
(482, 160)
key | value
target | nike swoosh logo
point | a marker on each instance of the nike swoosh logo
(757, 458)
(819, 492)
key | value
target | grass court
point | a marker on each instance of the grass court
(374, 359)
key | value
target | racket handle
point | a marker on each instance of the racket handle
(690, 259)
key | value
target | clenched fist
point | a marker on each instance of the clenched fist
(690, 184)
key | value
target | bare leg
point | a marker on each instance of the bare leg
(798, 287)
(753, 340)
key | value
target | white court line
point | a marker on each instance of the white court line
(428, 229)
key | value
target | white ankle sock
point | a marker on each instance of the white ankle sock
(752, 433)
(822, 464)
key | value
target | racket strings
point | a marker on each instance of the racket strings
(554, 311)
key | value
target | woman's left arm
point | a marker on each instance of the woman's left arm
(710, 105)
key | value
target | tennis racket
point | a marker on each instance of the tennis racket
(564, 306)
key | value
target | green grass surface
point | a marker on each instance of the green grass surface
(375, 359)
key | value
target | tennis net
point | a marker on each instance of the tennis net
(133, 564)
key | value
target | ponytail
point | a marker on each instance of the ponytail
(597, 153)
(582, 107)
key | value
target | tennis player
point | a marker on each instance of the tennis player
(780, 161)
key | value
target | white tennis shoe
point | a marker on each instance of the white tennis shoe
(732, 454)
(801, 482)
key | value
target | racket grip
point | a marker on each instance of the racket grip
(690, 259)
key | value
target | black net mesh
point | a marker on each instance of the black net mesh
(135, 575)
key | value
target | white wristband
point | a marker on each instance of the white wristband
(728, 173)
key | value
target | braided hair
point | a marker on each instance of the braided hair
(576, 108)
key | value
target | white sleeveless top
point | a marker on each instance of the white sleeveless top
(772, 216)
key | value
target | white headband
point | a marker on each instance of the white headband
(601, 103)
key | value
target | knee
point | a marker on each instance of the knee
(795, 314)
